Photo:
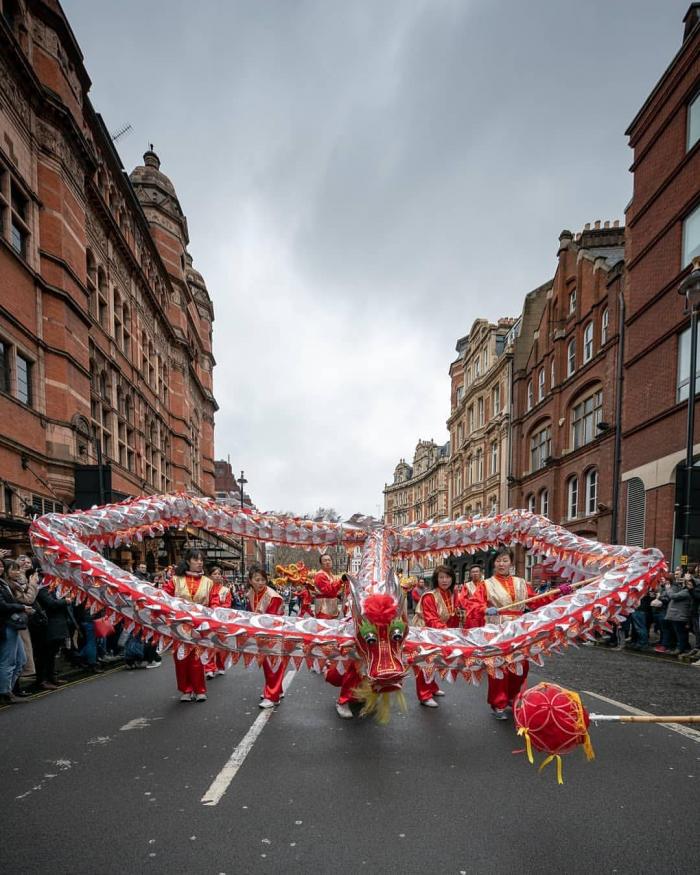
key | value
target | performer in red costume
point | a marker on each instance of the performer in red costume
(217, 664)
(471, 604)
(498, 592)
(304, 597)
(328, 588)
(190, 584)
(265, 600)
(437, 610)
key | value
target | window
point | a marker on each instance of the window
(684, 365)
(4, 367)
(470, 417)
(477, 367)
(544, 502)
(552, 381)
(530, 395)
(540, 385)
(531, 503)
(494, 457)
(572, 301)
(571, 358)
(494, 505)
(592, 491)
(496, 399)
(588, 342)
(460, 434)
(604, 325)
(691, 237)
(24, 380)
(469, 471)
(572, 498)
(694, 121)
(540, 448)
(460, 393)
(585, 418)
(458, 481)
(479, 466)
(480, 410)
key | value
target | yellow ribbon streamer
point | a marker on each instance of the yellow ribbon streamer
(554, 756)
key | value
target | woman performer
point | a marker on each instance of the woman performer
(498, 593)
(265, 600)
(191, 584)
(437, 610)
(217, 664)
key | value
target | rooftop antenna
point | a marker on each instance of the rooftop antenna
(124, 129)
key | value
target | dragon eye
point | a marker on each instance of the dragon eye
(370, 638)
(397, 635)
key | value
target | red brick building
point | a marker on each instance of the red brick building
(663, 235)
(105, 326)
(565, 388)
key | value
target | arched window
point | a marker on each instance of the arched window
(540, 448)
(604, 325)
(585, 417)
(531, 502)
(592, 491)
(552, 381)
(530, 395)
(544, 502)
(572, 301)
(572, 498)
(636, 512)
(571, 357)
(540, 385)
(588, 343)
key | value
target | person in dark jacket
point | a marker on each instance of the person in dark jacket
(55, 632)
(13, 617)
(678, 595)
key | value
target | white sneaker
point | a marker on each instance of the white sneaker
(500, 713)
(210, 674)
(200, 697)
(343, 711)
(438, 693)
(430, 703)
(266, 703)
(220, 671)
(187, 697)
(153, 665)
(697, 662)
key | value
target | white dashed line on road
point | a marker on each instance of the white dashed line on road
(222, 781)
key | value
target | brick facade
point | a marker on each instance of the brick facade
(564, 388)
(105, 326)
(666, 170)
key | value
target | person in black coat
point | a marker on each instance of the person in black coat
(54, 633)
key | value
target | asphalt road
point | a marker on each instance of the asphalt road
(107, 776)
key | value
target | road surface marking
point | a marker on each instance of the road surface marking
(138, 723)
(222, 781)
(692, 734)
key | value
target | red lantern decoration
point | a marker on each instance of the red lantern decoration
(554, 721)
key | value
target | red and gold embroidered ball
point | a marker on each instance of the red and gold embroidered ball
(554, 719)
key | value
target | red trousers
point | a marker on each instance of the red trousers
(347, 682)
(425, 689)
(190, 674)
(273, 681)
(503, 692)
(216, 663)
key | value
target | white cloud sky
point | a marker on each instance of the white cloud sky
(362, 180)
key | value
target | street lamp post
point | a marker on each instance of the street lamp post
(690, 288)
(241, 483)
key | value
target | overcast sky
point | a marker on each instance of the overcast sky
(362, 180)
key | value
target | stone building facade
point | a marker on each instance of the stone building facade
(565, 386)
(479, 420)
(105, 326)
(418, 491)
(663, 236)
